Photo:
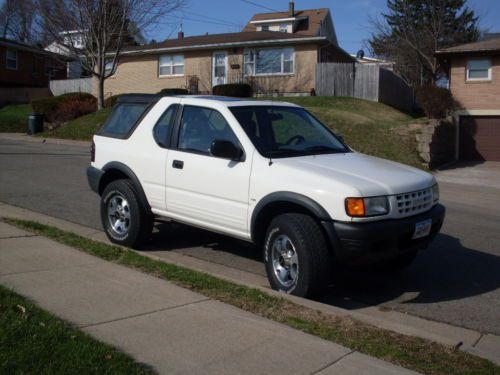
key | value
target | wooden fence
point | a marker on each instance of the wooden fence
(364, 81)
(63, 86)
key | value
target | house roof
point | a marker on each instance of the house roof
(309, 27)
(220, 40)
(14, 44)
(489, 45)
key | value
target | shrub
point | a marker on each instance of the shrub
(237, 90)
(174, 91)
(436, 102)
(111, 101)
(73, 108)
(65, 107)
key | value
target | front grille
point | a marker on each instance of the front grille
(413, 203)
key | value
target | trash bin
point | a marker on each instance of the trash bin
(35, 123)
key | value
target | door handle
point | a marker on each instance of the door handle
(179, 164)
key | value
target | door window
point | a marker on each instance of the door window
(162, 128)
(200, 127)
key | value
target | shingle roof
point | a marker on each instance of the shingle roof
(310, 27)
(204, 41)
(489, 45)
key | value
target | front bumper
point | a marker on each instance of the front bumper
(94, 176)
(371, 242)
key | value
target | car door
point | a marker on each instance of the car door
(202, 189)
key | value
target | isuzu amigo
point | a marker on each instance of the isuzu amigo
(266, 172)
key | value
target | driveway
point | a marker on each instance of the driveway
(456, 280)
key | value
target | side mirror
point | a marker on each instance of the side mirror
(226, 149)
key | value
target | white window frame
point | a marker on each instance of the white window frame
(171, 65)
(254, 62)
(283, 26)
(468, 69)
(7, 58)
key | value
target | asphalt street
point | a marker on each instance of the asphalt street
(456, 280)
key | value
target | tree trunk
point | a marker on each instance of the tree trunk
(100, 94)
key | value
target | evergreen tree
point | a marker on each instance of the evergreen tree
(413, 30)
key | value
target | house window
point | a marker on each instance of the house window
(108, 68)
(283, 28)
(11, 59)
(265, 28)
(171, 65)
(269, 61)
(478, 70)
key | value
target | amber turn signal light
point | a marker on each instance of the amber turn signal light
(355, 207)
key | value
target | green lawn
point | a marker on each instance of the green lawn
(33, 341)
(14, 118)
(82, 128)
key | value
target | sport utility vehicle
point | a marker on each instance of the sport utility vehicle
(265, 172)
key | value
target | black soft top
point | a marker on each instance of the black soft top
(139, 98)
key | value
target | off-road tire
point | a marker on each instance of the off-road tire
(314, 260)
(141, 218)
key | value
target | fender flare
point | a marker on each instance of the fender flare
(287, 196)
(132, 176)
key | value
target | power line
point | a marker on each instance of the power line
(259, 5)
(206, 21)
(213, 18)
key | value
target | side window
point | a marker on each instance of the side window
(200, 127)
(162, 128)
(123, 119)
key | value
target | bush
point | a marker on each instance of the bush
(65, 107)
(176, 91)
(237, 90)
(111, 101)
(436, 102)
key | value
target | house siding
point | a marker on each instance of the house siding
(140, 73)
(30, 70)
(481, 95)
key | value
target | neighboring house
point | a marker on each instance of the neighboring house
(276, 52)
(25, 65)
(474, 81)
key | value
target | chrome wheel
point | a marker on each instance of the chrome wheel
(119, 214)
(285, 261)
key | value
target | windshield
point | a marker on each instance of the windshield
(278, 131)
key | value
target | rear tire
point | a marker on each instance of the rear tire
(124, 219)
(296, 255)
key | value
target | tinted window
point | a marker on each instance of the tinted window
(162, 128)
(286, 131)
(200, 127)
(123, 118)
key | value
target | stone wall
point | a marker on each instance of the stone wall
(436, 142)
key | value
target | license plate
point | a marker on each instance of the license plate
(422, 229)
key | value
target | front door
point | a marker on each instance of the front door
(219, 68)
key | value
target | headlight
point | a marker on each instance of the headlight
(435, 193)
(363, 207)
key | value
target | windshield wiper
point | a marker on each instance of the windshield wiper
(322, 148)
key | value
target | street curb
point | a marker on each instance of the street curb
(30, 138)
(482, 345)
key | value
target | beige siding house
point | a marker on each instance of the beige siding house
(474, 73)
(276, 52)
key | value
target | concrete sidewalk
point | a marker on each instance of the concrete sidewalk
(168, 327)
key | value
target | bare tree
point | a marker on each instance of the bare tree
(101, 29)
(18, 20)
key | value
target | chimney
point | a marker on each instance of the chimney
(180, 35)
(291, 8)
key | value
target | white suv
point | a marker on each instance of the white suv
(265, 172)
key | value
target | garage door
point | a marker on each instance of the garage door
(479, 138)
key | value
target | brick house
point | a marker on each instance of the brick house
(25, 65)
(274, 52)
(474, 80)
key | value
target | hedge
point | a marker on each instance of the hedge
(65, 107)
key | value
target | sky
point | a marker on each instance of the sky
(351, 17)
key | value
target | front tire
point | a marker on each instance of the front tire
(296, 255)
(125, 221)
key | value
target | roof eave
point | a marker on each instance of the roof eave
(227, 45)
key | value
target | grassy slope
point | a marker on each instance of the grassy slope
(14, 118)
(366, 126)
(82, 128)
(34, 342)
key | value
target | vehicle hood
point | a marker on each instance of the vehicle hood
(370, 175)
